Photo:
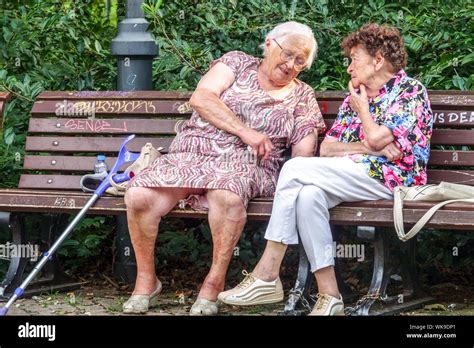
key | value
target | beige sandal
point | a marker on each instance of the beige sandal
(204, 307)
(139, 304)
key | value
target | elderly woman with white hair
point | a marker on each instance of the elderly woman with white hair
(247, 111)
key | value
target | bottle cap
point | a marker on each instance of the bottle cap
(101, 157)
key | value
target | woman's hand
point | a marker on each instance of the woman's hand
(377, 136)
(260, 143)
(359, 102)
(391, 151)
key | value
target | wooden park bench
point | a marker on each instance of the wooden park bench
(68, 129)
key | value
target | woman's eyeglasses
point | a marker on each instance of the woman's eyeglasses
(286, 56)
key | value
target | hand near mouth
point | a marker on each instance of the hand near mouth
(359, 102)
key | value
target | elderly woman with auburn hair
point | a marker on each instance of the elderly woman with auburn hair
(247, 111)
(380, 139)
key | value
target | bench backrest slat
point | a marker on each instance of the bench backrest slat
(104, 126)
(70, 182)
(110, 108)
(85, 163)
(4, 97)
(98, 145)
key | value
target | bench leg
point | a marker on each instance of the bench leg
(411, 283)
(124, 265)
(299, 293)
(413, 295)
(15, 224)
(382, 271)
(52, 276)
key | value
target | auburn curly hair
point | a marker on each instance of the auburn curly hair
(379, 38)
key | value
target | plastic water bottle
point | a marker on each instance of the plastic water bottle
(100, 166)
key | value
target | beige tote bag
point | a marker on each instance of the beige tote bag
(445, 192)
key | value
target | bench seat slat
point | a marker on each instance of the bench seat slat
(363, 204)
(458, 216)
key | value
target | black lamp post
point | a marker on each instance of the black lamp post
(135, 49)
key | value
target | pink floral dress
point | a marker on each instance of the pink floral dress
(203, 156)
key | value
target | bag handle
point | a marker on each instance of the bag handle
(398, 215)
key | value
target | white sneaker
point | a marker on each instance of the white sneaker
(328, 305)
(253, 291)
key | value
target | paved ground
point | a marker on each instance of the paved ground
(107, 300)
(93, 300)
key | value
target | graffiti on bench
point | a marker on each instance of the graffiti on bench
(95, 126)
(458, 117)
(90, 108)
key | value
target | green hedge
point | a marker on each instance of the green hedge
(439, 36)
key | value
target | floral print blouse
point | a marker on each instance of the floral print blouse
(403, 106)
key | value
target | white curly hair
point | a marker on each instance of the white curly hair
(293, 28)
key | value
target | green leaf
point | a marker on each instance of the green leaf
(415, 44)
(459, 82)
(468, 59)
(9, 136)
(97, 46)
(70, 242)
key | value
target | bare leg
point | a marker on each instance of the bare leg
(326, 280)
(145, 207)
(227, 217)
(268, 268)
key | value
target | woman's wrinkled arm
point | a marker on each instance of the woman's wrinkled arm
(205, 100)
(331, 147)
(307, 146)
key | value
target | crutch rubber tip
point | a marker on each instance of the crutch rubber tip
(3, 311)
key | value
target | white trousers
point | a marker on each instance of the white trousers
(307, 188)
